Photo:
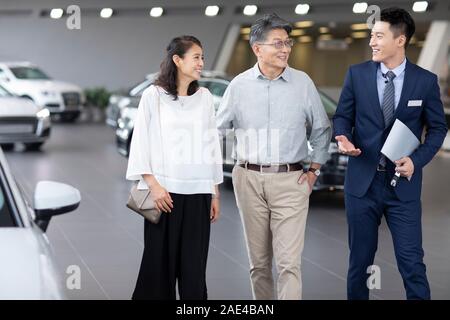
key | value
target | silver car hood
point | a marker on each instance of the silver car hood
(17, 107)
(49, 85)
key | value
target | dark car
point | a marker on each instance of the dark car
(333, 171)
(118, 101)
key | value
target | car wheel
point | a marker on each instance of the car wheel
(36, 146)
(7, 146)
(70, 117)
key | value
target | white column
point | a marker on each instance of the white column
(227, 48)
(435, 49)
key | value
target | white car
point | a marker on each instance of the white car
(27, 268)
(27, 80)
(22, 121)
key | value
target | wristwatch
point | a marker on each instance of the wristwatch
(315, 171)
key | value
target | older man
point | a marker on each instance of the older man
(269, 107)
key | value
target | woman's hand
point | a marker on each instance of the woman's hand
(163, 200)
(215, 209)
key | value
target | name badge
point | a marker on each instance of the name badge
(414, 103)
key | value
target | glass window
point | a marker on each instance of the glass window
(3, 75)
(28, 73)
(4, 92)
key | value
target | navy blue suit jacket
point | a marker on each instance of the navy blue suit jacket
(359, 117)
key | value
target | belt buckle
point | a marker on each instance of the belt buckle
(262, 166)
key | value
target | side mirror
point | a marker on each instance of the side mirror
(53, 198)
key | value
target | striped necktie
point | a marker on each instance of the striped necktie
(388, 105)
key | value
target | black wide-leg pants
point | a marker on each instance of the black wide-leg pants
(176, 249)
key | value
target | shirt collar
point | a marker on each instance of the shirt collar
(285, 75)
(397, 71)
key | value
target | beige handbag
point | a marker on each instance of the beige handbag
(140, 201)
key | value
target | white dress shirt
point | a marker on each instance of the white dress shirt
(186, 158)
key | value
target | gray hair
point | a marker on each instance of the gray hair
(264, 25)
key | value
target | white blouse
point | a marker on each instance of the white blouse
(186, 158)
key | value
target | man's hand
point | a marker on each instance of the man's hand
(346, 147)
(310, 178)
(405, 167)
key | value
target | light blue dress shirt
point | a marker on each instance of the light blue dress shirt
(398, 81)
(270, 118)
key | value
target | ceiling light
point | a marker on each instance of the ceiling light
(324, 30)
(359, 26)
(359, 35)
(420, 6)
(56, 13)
(325, 37)
(156, 12)
(250, 10)
(106, 13)
(360, 7)
(304, 24)
(212, 11)
(305, 39)
(297, 32)
(302, 9)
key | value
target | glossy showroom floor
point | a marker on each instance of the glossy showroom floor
(105, 240)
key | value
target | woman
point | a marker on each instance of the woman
(175, 151)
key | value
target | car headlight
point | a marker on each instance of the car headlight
(44, 113)
(123, 103)
(113, 99)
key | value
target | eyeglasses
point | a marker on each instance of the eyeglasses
(280, 44)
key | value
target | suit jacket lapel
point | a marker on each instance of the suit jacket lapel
(373, 91)
(407, 89)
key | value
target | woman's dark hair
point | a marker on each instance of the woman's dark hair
(400, 22)
(167, 78)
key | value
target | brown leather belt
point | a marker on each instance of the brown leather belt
(274, 168)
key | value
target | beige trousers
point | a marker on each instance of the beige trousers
(273, 209)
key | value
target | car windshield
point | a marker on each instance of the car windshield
(328, 103)
(216, 87)
(140, 87)
(29, 73)
(4, 92)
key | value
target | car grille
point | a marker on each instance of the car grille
(17, 126)
(71, 98)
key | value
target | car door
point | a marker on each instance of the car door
(27, 270)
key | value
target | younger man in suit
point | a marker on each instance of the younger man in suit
(375, 93)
